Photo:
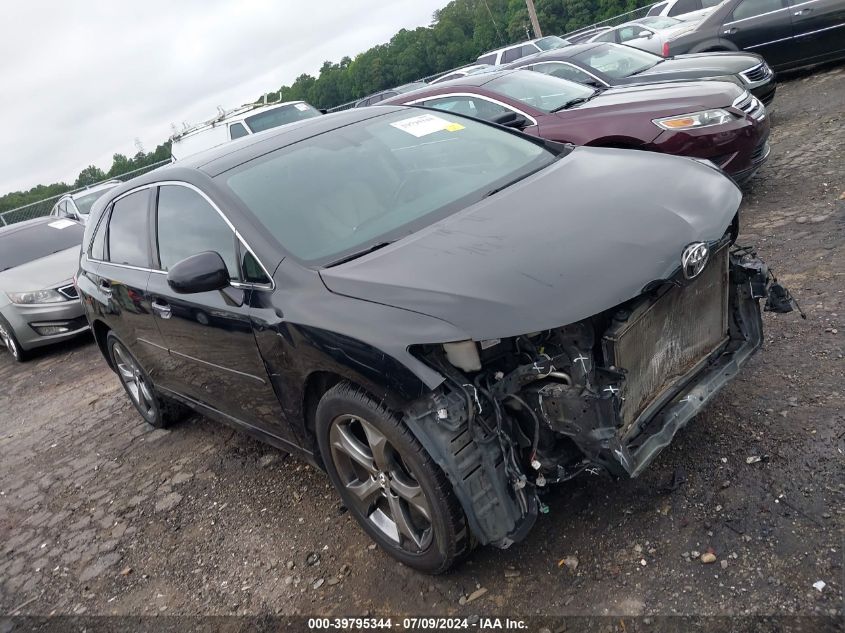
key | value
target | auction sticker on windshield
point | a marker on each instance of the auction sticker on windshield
(61, 224)
(426, 124)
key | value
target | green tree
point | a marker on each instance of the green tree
(89, 176)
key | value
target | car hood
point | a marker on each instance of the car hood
(699, 65)
(573, 240)
(660, 99)
(51, 271)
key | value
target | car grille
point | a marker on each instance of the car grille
(665, 338)
(751, 106)
(69, 291)
(757, 73)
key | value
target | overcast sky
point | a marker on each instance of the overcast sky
(81, 80)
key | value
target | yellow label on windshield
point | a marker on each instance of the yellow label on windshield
(454, 127)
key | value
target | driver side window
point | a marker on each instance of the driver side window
(186, 224)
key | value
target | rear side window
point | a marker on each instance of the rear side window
(487, 59)
(127, 237)
(237, 130)
(187, 224)
(750, 8)
(609, 36)
(685, 6)
(656, 9)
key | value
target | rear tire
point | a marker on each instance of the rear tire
(10, 341)
(156, 410)
(388, 481)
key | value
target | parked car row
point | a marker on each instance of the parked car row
(786, 33)
(714, 120)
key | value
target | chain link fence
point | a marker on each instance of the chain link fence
(616, 20)
(43, 207)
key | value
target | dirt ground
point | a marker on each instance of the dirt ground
(101, 514)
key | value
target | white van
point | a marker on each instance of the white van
(237, 123)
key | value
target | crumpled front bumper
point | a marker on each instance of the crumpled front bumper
(626, 448)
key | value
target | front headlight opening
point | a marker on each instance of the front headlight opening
(36, 296)
(695, 120)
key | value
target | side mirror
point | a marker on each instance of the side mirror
(512, 119)
(646, 34)
(202, 272)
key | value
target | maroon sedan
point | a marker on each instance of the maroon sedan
(715, 120)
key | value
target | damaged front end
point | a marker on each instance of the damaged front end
(607, 393)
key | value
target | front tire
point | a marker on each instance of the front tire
(156, 410)
(10, 341)
(390, 484)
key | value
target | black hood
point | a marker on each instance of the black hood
(697, 66)
(577, 238)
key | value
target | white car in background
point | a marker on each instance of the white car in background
(77, 206)
(685, 10)
(518, 51)
(648, 34)
(228, 126)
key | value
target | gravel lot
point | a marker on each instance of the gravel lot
(101, 514)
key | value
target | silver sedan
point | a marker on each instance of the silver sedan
(648, 34)
(38, 300)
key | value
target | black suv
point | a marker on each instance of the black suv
(372, 290)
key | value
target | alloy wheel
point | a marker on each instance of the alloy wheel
(133, 379)
(9, 341)
(380, 484)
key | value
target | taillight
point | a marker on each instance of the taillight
(665, 49)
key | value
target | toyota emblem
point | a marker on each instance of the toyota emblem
(694, 259)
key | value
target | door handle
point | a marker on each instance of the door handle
(105, 287)
(162, 309)
(730, 31)
(803, 11)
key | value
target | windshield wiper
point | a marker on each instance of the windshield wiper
(357, 254)
(576, 101)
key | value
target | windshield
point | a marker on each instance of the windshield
(550, 42)
(372, 182)
(539, 91)
(659, 22)
(618, 61)
(85, 202)
(280, 116)
(19, 245)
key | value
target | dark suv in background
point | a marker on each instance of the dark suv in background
(786, 33)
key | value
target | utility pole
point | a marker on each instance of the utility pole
(533, 15)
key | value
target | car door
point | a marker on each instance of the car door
(763, 27)
(120, 252)
(214, 358)
(818, 27)
(479, 107)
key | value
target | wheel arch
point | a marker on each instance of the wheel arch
(714, 45)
